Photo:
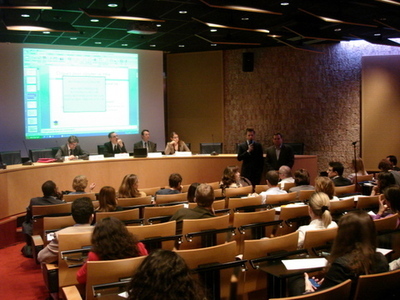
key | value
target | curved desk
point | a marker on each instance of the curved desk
(18, 183)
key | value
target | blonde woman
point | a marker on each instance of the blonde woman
(318, 209)
(325, 185)
(358, 165)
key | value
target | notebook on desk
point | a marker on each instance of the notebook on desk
(140, 152)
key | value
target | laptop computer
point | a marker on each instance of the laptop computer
(140, 152)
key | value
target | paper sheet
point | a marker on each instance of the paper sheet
(304, 263)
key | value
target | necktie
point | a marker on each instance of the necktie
(145, 145)
(115, 148)
(70, 151)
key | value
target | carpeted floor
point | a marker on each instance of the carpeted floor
(21, 277)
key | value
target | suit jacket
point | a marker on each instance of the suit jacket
(151, 147)
(78, 151)
(109, 149)
(253, 162)
(341, 181)
(170, 149)
(286, 158)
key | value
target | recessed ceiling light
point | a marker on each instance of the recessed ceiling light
(94, 20)
(158, 25)
(112, 5)
(183, 12)
(73, 39)
(46, 32)
(181, 46)
(284, 3)
(377, 34)
(97, 43)
(245, 19)
(213, 30)
(124, 45)
(152, 45)
(338, 29)
(213, 45)
(25, 15)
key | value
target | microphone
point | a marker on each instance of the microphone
(28, 162)
(354, 143)
(212, 139)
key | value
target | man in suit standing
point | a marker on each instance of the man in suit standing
(279, 154)
(145, 142)
(115, 145)
(251, 153)
(72, 150)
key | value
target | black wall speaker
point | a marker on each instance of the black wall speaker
(248, 62)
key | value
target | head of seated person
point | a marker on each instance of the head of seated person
(82, 210)
(231, 177)
(204, 196)
(191, 191)
(79, 184)
(325, 185)
(272, 178)
(129, 187)
(301, 177)
(107, 199)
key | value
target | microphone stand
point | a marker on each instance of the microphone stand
(355, 165)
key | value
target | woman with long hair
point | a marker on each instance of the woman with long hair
(111, 240)
(164, 275)
(107, 200)
(191, 191)
(385, 179)
(175, 145)
(231, 178)
(358, 165)
(129, 187)
(389, 203)
(318, 209)
(325, 185)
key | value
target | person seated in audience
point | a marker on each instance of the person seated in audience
(79, 185)
(108, 200)
(175, 145)
(145, 142)
(164, 275)
(175, 185)
(353, 252)
(71, 150)
(302, 181)
(385, 166)
(82, 212)
(191, 191)
(231, 178)
(389, 203)
(384, 180)
(114, 146)
(318, 209)
(358, 165)
(129, 187)
(285, 176)
(325, 185)
(272, 178)
(393, 162)
(111, 240)
(335, 172)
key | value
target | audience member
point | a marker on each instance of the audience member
(285, 176)
(111, 240)
(389, 203)
(318, 209)
(325, 185)
(79, 185)
(335, 172)
(251, 153)
(71, 150)
(114, 146)
(82, 213)
(231, 178)
(108, 200)
(279, 154)
(164, 275)
(129, 187)
(175, 185)
(358, 165)
(191, 192)
(301, 181)
(393, 162)
(384, 180)
(385, 166)
(353, 252)
(145, 142)
(272, 178)
(175, 145)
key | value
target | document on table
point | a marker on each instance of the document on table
(304, 263)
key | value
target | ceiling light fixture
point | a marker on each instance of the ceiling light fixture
(41, 7)
(239, 7)
(231, 27)
(389, 2)
(27, 25)
(142, 28)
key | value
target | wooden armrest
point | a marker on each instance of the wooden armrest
(50, 277)
(71, 293)
(37, 241)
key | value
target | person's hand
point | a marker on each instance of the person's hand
(309, 287)
(172, 143)
(382, 204)
(120, 143)
(251, 147)
(92, 186)
(72, 157)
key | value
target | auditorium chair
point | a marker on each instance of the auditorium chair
(72, 197)
(338, 208)
(281, 199)
(259, 188)
(130, 216)
(238, 192)
(210, 148)
(11, 157)
(314, 239)
(35, 154)
(138, 202)
(171, 198)
(292, 216)
(217, 204)
(288, 185)
(158, 214)
(304, 195)
(150, 191)
(345, 190)
(367, 202)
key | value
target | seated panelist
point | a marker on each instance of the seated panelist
(72, 150)
(145, 142)
(175, 145)
(115, 145)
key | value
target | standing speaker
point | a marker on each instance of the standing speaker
(248, 62)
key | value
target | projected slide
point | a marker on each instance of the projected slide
(81, 93)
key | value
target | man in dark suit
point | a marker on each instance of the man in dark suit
(279, 154)
(335, 172)
(72, 150)
(251, 153)
(115, 145)
(145, 142)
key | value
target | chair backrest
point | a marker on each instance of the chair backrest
(50, 223)
(339, 291)
(215, 185)
(261, 188)
(305, 194)
(347, 189)
(378, 286)
(100, 149)
(288, 185)
(217, 204)
(150, 191)
(281, 198)
(208, 148)
(72, 197)
(161, 199)
(11, 157)
(388, 223)
(134, 201)
(158, 211)
(108, 271)
(236, 192)
(196, 225)
(218, 194)
(35, 154)
(316, 238)
(40, 211)
(156, 230)
(124, 215)
(341, 205)
(368, 202)
(361, 178)
(292, 216)
(185, 188)
(247, 201)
